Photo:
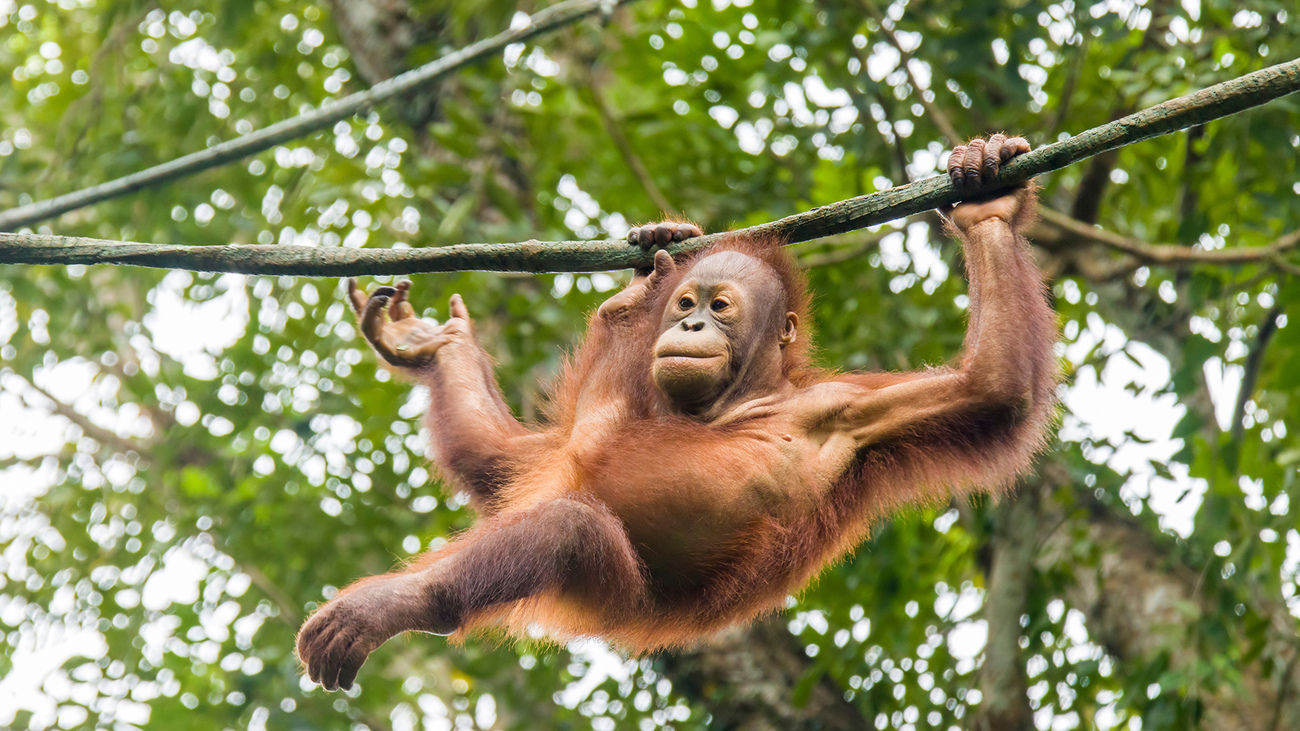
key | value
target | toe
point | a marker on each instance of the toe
(332, 661)
(399, 308)
(356, 296)
(351, 665)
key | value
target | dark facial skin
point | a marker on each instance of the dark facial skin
(723, 321)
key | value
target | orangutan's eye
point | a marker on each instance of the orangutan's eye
(686, 303)
(719, 305)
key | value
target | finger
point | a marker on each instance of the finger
(686, 231)
(974, 163)
(634, 236)
(664, 265)
(955, 170)
(457, 307)
(993, 156)
(356, 297)
(400, 308)
(1014, 146)
(663, 234)
(372, 322)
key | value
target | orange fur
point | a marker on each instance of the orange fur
(753, 570)
(627, 519)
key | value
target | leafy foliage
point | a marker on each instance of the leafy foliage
(193, 461)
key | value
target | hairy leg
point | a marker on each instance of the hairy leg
(563, 544)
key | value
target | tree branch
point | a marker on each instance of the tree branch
(100, 434)
(633, 160)
(289, 612)
(937, 115)
(1200, 107)
(842, 248)
(1002, 676)
(544, 21)
(1250, 370)
(1172, 253)
(1143, 609)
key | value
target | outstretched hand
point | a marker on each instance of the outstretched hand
(403, 339)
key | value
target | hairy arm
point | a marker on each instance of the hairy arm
(977, 424)
(474, 435)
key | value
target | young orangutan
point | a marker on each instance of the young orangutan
(696, 469)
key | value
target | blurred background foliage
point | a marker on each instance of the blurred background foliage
(188, 463)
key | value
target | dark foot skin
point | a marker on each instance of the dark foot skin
(662, 234)
(337, 639)
(976, 163)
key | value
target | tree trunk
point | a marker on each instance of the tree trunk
(746, 678)
(1005, 704)
(1142, 607)
(379, 34)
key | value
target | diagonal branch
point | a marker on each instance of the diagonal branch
(1197, 108)
(104, 436)
(1250, 371)
(633, 160)
(936, 114)
(289, 612)
(323, 117)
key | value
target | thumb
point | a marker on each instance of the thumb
(664, 266)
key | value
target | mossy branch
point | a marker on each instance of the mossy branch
(1194, 109)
